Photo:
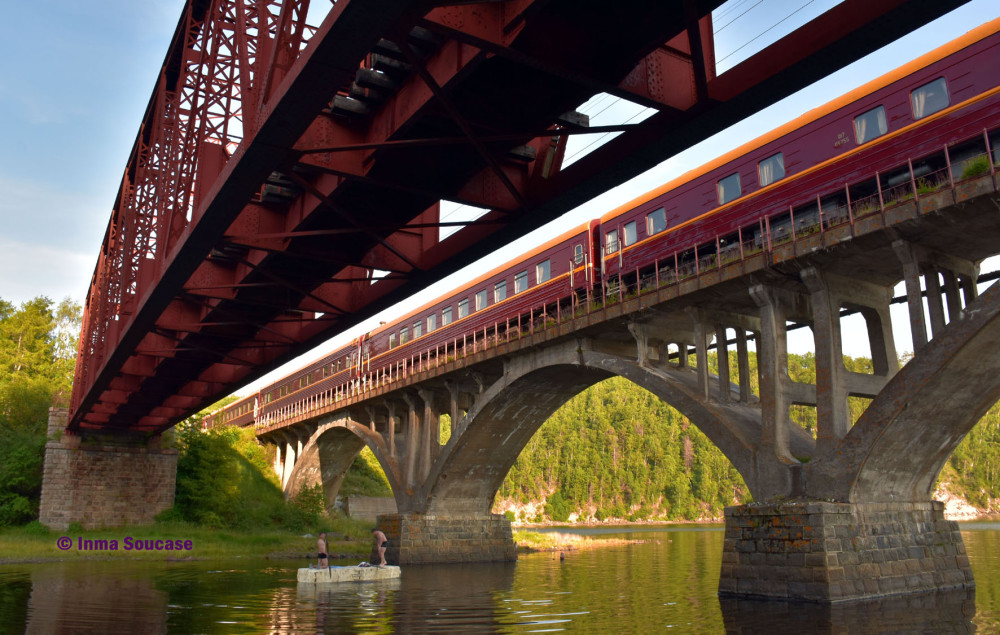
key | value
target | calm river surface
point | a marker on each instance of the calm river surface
(667, 583)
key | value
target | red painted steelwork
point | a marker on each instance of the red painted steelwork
(824, 166)
(273, 176)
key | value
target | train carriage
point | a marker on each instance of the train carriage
(485, 305)
(931, 122)
(935, 112)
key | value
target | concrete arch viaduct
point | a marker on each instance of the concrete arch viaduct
(828, 503)
(846, 514)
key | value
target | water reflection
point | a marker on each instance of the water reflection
(431, 599)
(941, 612)
(667, 582)
(459, 597)
(68, 598)
(344, 608)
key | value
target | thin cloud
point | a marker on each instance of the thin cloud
(29, 270)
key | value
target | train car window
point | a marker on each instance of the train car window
(771, 169)
(463, 308)
(611, 241)
(404, 335)
(499, 291)
(431, 322)
(446, 316)
(481, 300)
(543, 271)
(578, 254)
(418, 329)
(870, 125)
(629, 234)
(728, 188)
(929, 98)
(656, 221)
(521, 282)
(392, 340)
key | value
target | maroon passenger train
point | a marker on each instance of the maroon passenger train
(926, 124)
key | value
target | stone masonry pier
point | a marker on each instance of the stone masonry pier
(833, 552)
(104, 482)
(421, 539)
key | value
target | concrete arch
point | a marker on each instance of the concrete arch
(329, 453)
(467, 475)
(900, 444)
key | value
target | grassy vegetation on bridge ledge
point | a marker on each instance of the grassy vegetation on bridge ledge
(35, 543)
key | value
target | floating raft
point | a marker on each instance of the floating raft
(334, 575)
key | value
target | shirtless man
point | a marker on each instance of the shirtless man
(380, 542)
(321, 547)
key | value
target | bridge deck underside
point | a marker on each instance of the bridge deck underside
(249, 283)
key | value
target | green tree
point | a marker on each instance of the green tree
(37, 353)
(224, 479)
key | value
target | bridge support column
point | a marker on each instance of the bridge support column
(777, 390)
(425, 539)
(292, 449)
(104, 482)
(834, 552)
(959, 282)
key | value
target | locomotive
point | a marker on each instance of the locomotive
(931, 122)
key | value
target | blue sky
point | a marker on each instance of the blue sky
(75, 79)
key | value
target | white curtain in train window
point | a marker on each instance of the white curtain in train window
(521, 282)
(728, 188)
(611, 242)
(771, 169)
(543, 271)
(929, 98)
(656, 221)
(870, 125)
(629, 234)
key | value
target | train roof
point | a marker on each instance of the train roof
(941, 52)
(488, 275)
(425, 307)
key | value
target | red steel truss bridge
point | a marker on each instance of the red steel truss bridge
(286, 179)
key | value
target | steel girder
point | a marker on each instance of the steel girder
(278, 171)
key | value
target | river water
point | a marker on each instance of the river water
(667, 583)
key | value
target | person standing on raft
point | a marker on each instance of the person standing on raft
(321, 547)
(380, 542)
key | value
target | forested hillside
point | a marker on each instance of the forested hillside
(617, 452)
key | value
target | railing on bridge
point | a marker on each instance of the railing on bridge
(781, 227)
